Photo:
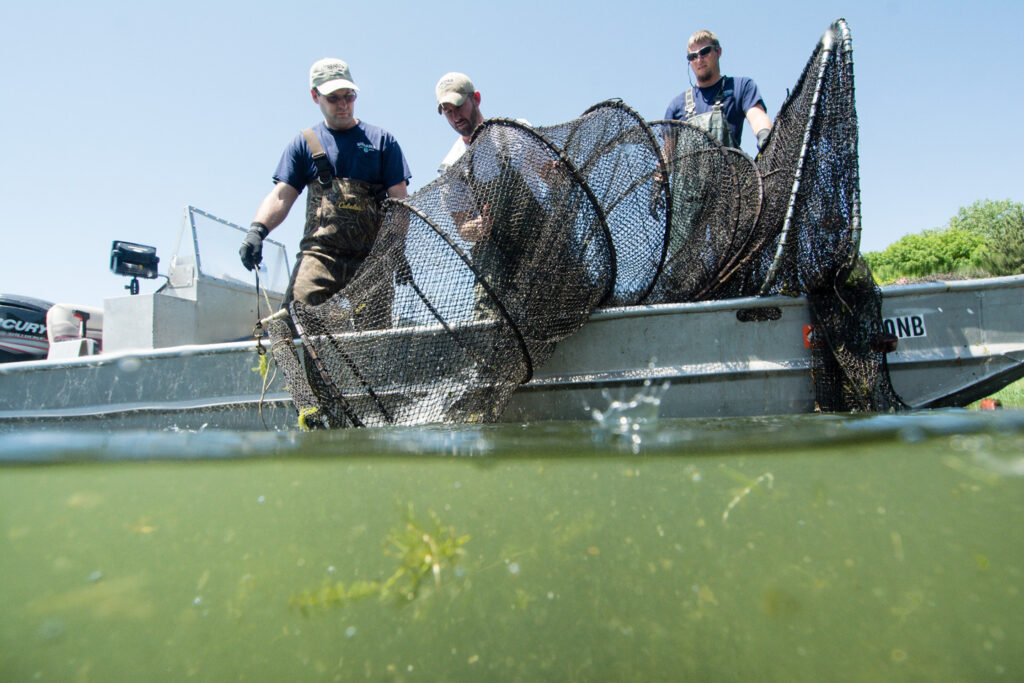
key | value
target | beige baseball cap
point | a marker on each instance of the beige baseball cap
(453, 88)
(328, 75)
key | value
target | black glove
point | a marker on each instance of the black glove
(762, 138)
(403, 273)
(252, 246)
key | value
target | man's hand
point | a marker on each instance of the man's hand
(548, 171)
(478, 228)
(252, 246)
(762, 138)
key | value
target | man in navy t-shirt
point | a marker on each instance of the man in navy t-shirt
(348, 167)
(737, 97)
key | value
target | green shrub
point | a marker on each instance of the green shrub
(1001, 224)
(986, 238)
(926, 253)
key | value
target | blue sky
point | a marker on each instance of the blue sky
(115, 116)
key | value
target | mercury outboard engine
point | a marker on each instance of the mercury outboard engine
(23, 328)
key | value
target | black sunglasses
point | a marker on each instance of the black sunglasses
(703, 52)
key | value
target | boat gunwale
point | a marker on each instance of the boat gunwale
(890, 292)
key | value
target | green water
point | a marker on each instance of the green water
(786, 549)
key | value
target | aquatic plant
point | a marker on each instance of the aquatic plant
(767, 479)
(262, 365)
(427, 554)
(304, 416)
(423, 550)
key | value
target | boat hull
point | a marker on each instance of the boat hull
(959, 341)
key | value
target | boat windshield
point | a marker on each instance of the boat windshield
(210, 245)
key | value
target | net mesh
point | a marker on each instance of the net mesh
(477, 276)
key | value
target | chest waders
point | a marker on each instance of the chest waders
(688, 192)
(713, 121)
(342, 221)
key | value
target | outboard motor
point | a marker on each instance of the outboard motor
(23, 328)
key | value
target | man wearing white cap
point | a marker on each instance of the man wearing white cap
(349, 167)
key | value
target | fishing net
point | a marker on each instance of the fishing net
(477, 276)
(716, 195)
(812, 150)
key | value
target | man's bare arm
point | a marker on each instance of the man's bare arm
(758, 119)
(399, 190)
(275, 206)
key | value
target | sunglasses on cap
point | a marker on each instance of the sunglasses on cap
(703, 52)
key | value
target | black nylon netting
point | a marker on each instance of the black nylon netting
(813, 148)
(475, 277)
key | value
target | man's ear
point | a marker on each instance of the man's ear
(315, 94)
(476, 97)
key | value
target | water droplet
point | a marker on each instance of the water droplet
(630, 419)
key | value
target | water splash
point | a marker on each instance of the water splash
(630, 419)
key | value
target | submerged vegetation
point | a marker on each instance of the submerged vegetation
(428, 554)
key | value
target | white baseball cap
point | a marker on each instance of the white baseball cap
(328, 75)
(453, 88)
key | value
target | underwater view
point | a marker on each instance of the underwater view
(804, 548)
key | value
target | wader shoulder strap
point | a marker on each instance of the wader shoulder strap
(724, 90)
(323, 166)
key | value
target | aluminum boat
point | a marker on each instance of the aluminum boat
(184, 357)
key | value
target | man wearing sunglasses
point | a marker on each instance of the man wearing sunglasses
(715, 96)
(348, 167)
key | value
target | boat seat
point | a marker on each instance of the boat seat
(74, 331)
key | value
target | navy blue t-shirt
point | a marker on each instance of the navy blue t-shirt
(362, 152)
(741, 96)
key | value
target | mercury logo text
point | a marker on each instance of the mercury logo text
(22, 326)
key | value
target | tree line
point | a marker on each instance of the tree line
(982, 240)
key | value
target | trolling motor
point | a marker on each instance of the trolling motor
(135, 261)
